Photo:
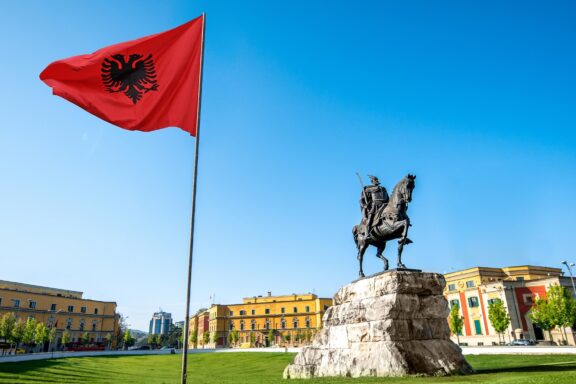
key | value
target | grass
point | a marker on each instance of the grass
(237, 368)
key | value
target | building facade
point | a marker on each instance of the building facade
(261, 321)
(160, 323)
(63, 309)
(517, 287)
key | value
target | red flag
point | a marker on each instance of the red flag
(143, 85)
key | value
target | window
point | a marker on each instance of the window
(454, 303)
(470, 284)
(307, 309)
(473, 302)
(528, 299)
(16, 303)
(242, 312)
(282, 310)
(283, 323)
(94, 325)
(70, 308)
(83, 309)
(295, 323)
(231, 325)
(82, 324)
(267, 311)
(295, 310)
(253, 312)
(520, 278)
(31, 304)
(231, 313)
(493, 301)
(253, 325)
(452, 287)
(0, 301)
(267, 325)
(95, 311)
(69, 323)
(307, 322)
(241, 324)
(52, 307)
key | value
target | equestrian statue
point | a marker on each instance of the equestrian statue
(383, 218)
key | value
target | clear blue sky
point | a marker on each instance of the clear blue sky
(476, 98)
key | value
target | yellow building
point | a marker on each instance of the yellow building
(60, 308)
(289, 319)
(473, 290)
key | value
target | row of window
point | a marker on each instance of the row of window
(267, 310)
(16, 303)
(469, 284)
(295, 324)
(472, 302)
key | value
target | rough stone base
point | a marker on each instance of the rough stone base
(390, 324)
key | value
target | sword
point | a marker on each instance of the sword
(362, 185)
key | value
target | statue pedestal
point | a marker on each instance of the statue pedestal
(390, 324)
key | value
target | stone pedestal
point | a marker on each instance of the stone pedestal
(390, 324)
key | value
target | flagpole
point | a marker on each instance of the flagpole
(193, 213)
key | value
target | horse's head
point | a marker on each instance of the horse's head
(406, 186)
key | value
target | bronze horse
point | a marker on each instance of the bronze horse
(391, 222)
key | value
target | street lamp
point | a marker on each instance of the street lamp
(569, 267)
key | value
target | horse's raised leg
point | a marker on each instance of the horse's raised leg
(381, 256)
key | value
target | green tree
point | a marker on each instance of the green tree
(51, 337)
(236, 336)
(455, 321)
(541, 315)
(7, 323)
(40, 334)
(215, 338)
(160, 340)
(287, 337)
(562, 309)
(229, 339)
(252, 338)
(108, 338)
(65, 338)
(18, 332)
(270, 337)
(151, 340)
(206, 338)
(308, 336)
(128, 339)
(498, 317)
(194, 338)
(85, 338)
(29, 330)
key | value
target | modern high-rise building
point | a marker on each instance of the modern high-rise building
(160, 323)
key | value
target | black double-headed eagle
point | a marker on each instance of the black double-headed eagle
(133, 77)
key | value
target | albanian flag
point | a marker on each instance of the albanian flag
(141, 85)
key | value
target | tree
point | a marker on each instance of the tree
(287, 337)
(541, 315)
(29, 329)
(85, 338)
(229, 338)
(308, 336)
(235, 336)
(40, 335)
(150, 340)
(128, 339)
(562, 308)
(65, 338)
(455, 321)
(7, 323)
(206, 338)
(108, 338)
(159, 339)
(498, 317)
(18, 332)
(51, 337)
(215, 338)
(194, 338)
(252, 338)
(270, 337)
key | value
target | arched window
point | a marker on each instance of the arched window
(231, 325)
(241, 325)
(94, 325)
(82, 324)
(283, 323)
(69, 323)
(295, 323)
(307, 322)
(267, 325)
(253, 325)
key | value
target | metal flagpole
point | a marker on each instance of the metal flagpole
(195, 177)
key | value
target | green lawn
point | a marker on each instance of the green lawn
(267, 368)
